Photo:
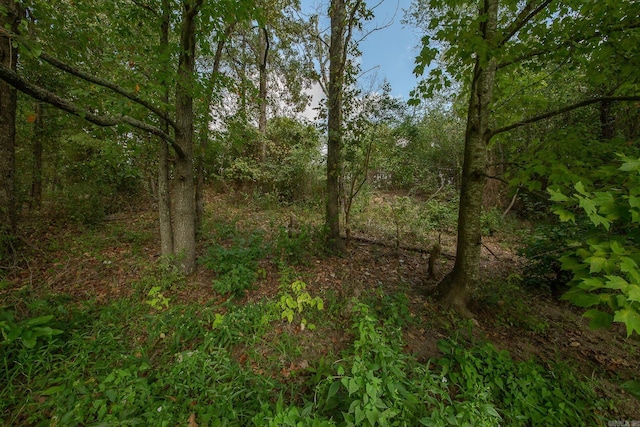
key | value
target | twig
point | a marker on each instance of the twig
(490, 251)
(513, 202)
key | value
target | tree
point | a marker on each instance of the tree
(144, 64)
(537, 35)
(344, 16)
(10, 17)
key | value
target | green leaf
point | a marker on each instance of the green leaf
(634, 201)
(633, 387)
(630, 318)
(599, 319)
(617, 248)
(592, 283)
(588, 205)
(580, 188)
(52, 390)
(557, 196)
(584, 299)
(596, 264)
(630, 165)
(565, 215)
(634, 293)
(616, 282)
(333, 389)
(37, 321)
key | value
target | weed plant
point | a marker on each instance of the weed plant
(126, 364)
(235, 265)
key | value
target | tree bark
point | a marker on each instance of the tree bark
(8, 106)
(36, 171)
(164, 190)
(263, 41)
(607, 122)
(338, 16)
(183, 203)
(455, 288)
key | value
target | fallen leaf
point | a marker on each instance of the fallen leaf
(192, 421)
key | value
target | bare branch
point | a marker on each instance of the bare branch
(561, 111)
(64, 104)
(380, 27)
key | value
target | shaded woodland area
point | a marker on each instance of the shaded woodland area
(184, 241)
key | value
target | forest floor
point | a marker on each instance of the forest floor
(101, 263)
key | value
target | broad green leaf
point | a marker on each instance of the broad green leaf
(616, 282)
(630, 165)
(557, 196)
(629, 266)
(634, 201)
(599, 319)
(596, 264)
(583, 299)
(617, 248)
(565, 215)
(634, 293)
(592, 283)
(630, 318)
(588, 205)
(580, 188)
(38, 321)
(333, 389)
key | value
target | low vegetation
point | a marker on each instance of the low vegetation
(261, 336)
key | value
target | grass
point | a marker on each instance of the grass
(284, 352)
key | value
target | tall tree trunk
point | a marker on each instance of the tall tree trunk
(263, 41)
(36, 171)
(183, 203)
(8, 106)
(454, 288)
(164, 190)
(338, 16)
(164, 201)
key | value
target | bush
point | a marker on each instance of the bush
(237, 265)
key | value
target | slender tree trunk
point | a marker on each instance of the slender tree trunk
(607, 122)
(184, 209)
(36, 172)
(204, 131)
(164, 190)
(164, 201)
(8, 106)
(263, 41)
(338, 16)
(455, 288)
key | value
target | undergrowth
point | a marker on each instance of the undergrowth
(128, 364)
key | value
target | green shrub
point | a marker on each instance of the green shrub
(237, 265)
(297, 246)
(525, 393)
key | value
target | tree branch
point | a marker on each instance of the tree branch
(569, 43)
(100, 82)
(64, 104)
(525, 15)
(347, 39)
(561, 111)
(109, 85)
